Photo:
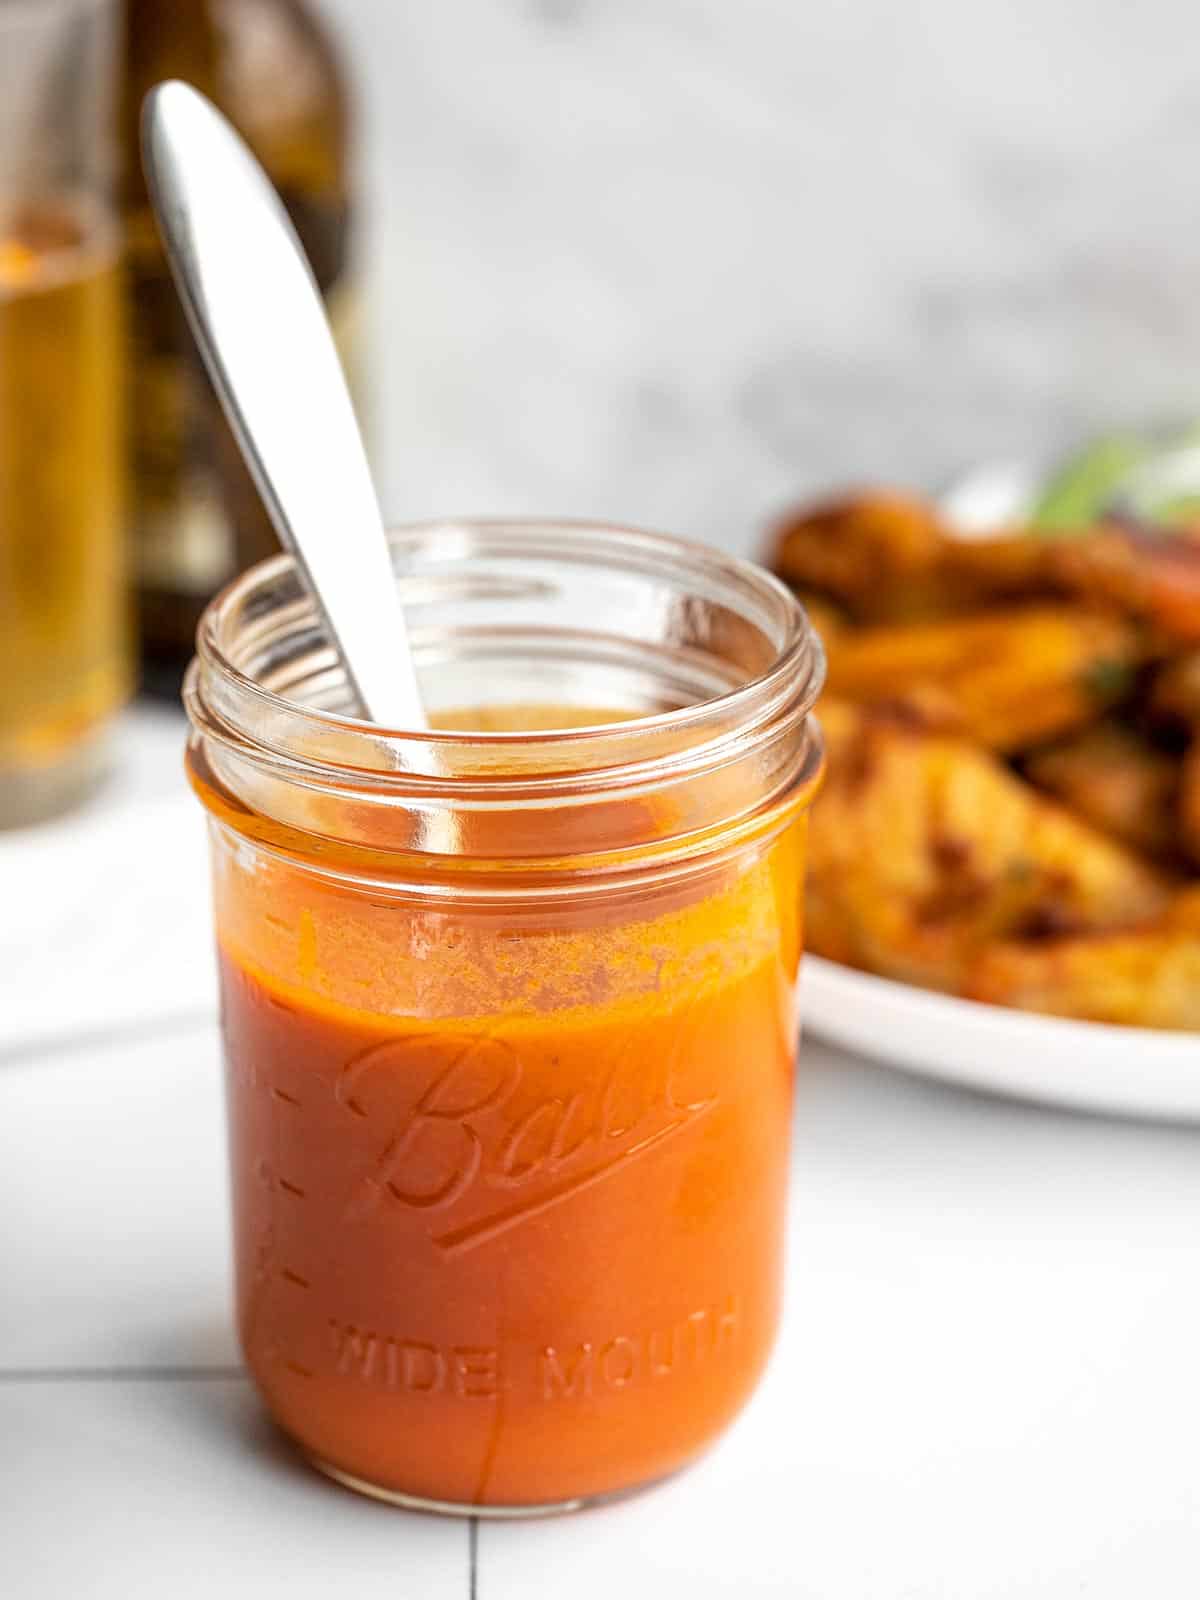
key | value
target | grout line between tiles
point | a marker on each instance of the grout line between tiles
(100, 1038)
(119, 1374)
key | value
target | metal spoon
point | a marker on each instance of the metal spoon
(257, 316)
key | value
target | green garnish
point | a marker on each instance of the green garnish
(1081, 490)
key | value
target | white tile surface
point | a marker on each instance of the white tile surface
(179, 1491)
(113, 927)
(986, 1385)
(147, 759)
(113, 1227)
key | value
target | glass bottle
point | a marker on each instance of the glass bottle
(197, 518)
(64, 647)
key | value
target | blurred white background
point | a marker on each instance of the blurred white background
(674, 260)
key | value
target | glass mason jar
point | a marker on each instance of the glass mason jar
(64, 646)
(508, 1007)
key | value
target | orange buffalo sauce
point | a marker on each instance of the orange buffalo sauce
(508, 1182)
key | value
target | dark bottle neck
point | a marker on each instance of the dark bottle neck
(178, 40)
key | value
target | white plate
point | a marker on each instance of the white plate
(1090, 1066)
(1086, 1066)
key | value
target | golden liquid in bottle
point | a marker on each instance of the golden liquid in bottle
(64, 655)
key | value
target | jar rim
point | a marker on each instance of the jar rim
(667, 789)
(797, 666)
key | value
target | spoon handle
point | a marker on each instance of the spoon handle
(258, 319)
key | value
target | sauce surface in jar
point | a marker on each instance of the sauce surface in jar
(508, 1181)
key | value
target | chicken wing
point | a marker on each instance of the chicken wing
(925, 847)
(1175, 694)
(1145, 980)
(1117, 780)
(886, 556)
(1189, 802)
(1011, 678)
(1150, 574)
(863, 550)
